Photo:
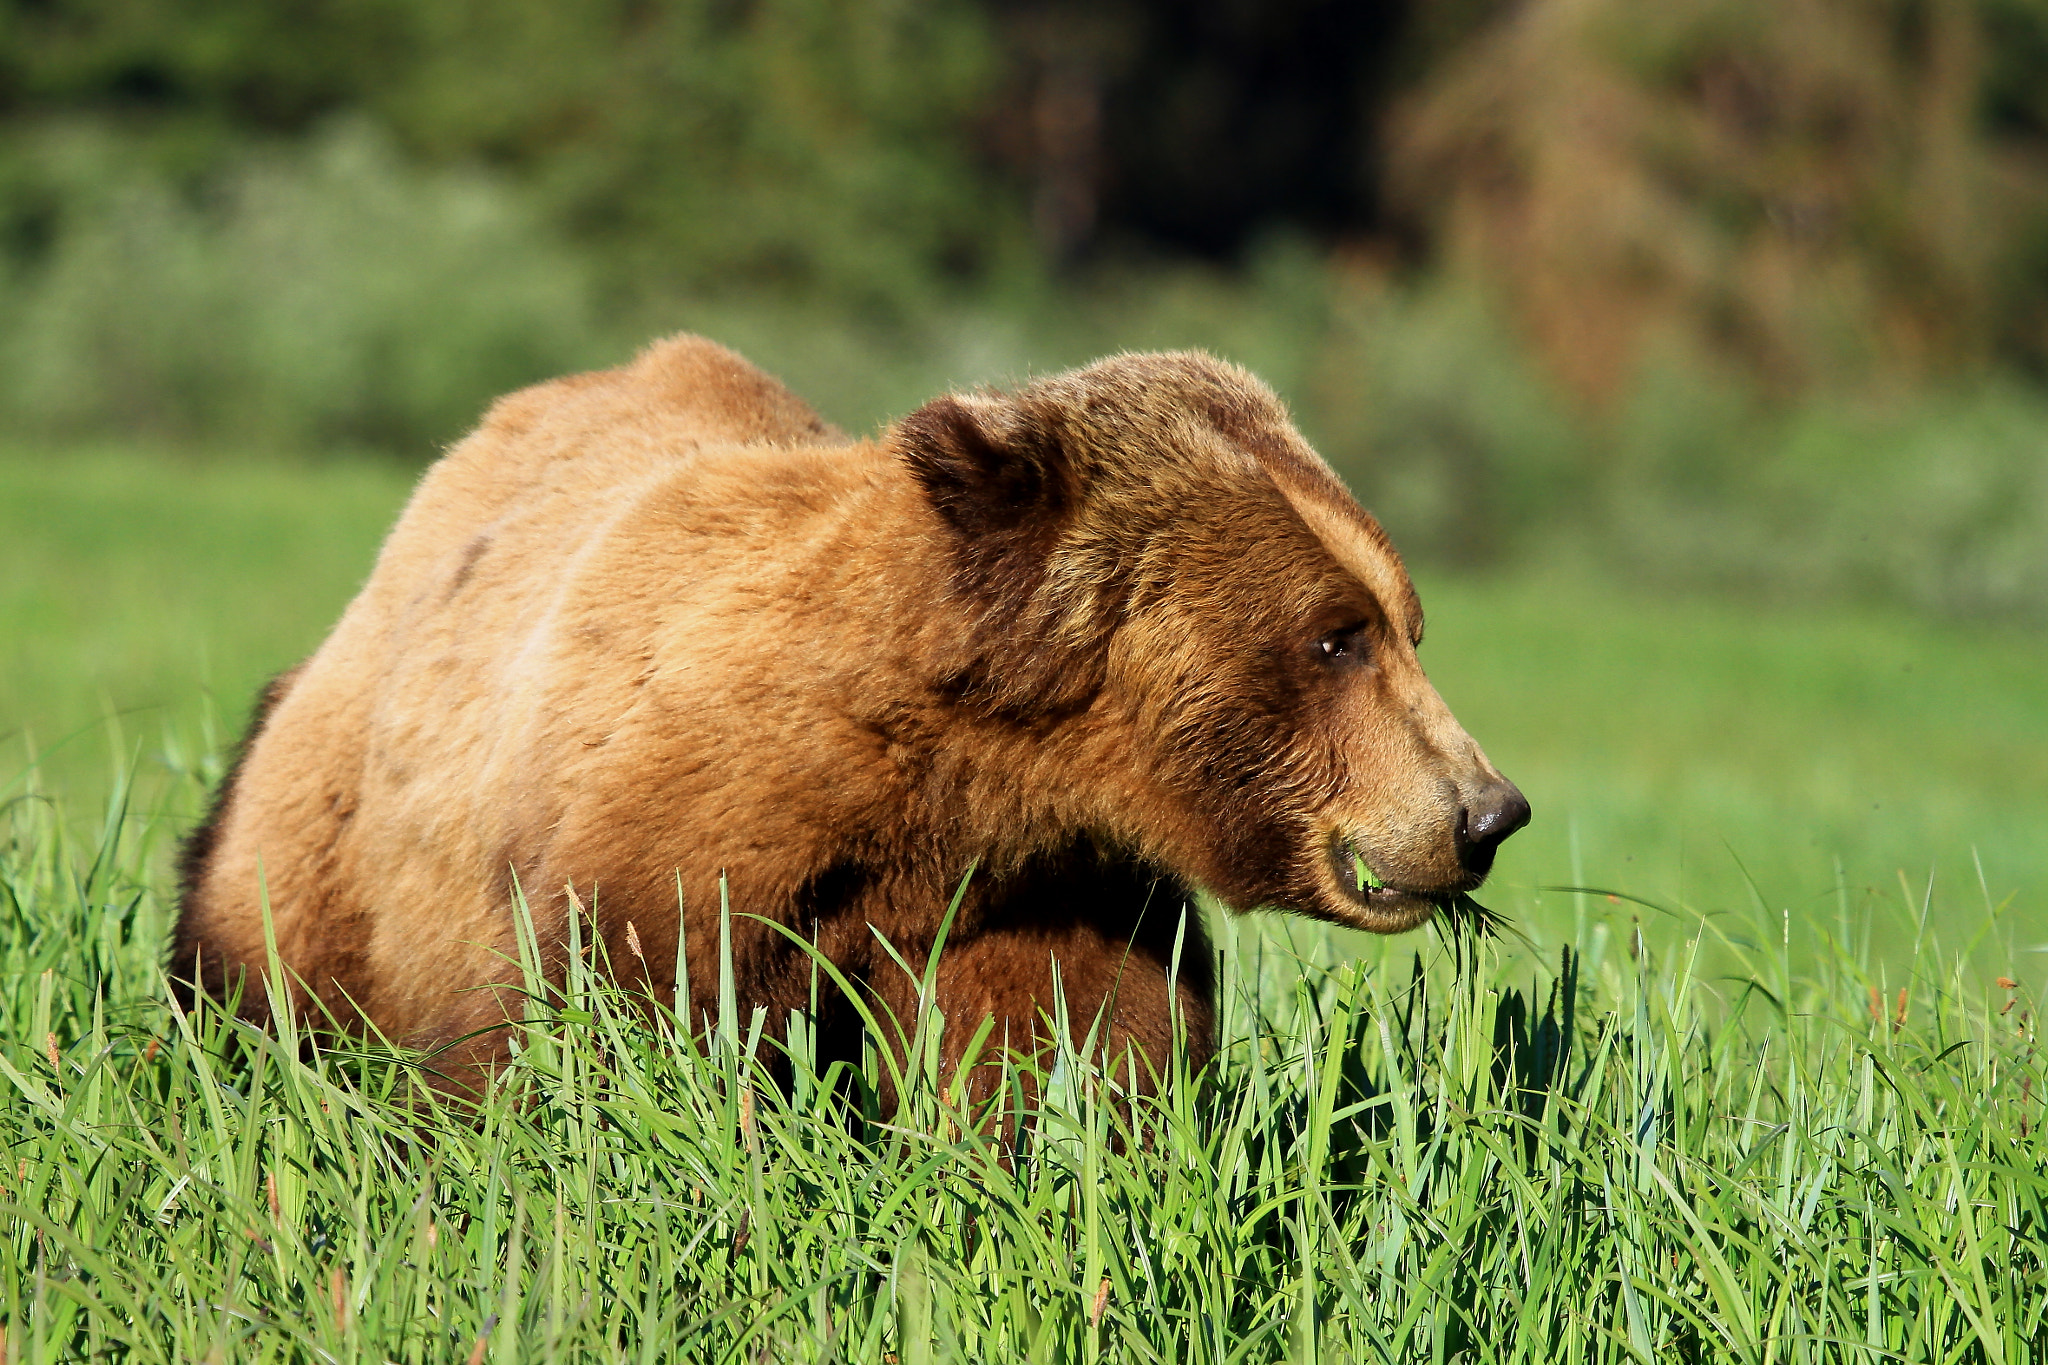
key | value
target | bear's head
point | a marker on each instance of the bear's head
(1153, 564)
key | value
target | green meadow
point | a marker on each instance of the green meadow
(1752, 1075)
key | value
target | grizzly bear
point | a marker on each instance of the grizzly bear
(658, 635)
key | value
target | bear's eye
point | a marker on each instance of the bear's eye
(1346, 647)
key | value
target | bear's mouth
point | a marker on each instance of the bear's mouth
(1390, 908)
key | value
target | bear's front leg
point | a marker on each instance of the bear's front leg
(1128, 952)
(1122, 994)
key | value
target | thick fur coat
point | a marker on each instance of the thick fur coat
(1114, 635)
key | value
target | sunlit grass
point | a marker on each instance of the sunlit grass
(162, 589)
(1702, 750)
(1548, 1155)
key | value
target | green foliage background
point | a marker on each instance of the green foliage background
(1742, 293)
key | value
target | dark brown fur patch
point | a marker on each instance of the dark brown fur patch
(186, 969)
(471, 553)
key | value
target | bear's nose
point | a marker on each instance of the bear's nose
(1490, 816)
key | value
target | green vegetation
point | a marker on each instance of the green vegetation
(1706, 753)
(1536, 1156)
(161, 592)
(1734, 292)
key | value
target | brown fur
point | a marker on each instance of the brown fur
(660, 624)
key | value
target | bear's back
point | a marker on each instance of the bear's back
(364, 801)
(552, 456)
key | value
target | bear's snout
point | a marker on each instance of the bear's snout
(1487, 819)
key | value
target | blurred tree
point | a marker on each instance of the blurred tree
(807, 144)
(810, 144)
(1810, 186)
(238, 65)
(1198, 125)
(1814, 188)
(676, 129)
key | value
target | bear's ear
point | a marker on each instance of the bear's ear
(1002, 482)
(986, 472)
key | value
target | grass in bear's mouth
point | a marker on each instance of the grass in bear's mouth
(1367, 881)
(1461, 916)
(1456, 916)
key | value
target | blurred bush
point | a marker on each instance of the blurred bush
(1936, 500)
(1743, 291)
(1818, 190)
(1933, 496)
(813, 145)
(1443, 423)
(329, 295)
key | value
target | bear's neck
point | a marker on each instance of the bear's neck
(975, 776)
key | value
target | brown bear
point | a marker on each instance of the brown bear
(1105, 639)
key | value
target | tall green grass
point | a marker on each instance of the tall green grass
(1572, 1145)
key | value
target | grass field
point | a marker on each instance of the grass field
(1775, 1104)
